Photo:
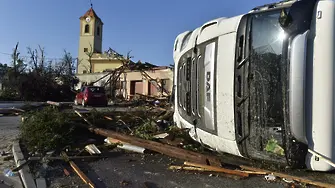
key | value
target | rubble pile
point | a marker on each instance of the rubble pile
(145, 127)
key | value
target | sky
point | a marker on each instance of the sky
(147, 28)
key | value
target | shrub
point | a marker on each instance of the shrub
(8, 95)
(47, 129)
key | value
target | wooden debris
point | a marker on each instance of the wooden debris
(161, 136)
(79, 114)
(252, 172)
(156, 146)
(160, 147)
(190, 168)
(286, 176)
(109, 118)
(78, 171)
(217, 169)
(66, 172)
(125, 145)
(92, 149)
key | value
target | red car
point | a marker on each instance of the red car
(91, 95)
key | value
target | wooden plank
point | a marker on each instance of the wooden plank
(80, 173)
(160, 147)
(192, 168)
(217, 169)
(295, 178)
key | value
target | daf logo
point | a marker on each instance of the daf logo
(208, 86)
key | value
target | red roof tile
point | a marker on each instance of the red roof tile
(92, 14)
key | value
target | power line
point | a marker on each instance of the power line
(25, 56)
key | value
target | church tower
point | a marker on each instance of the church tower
(90, 40)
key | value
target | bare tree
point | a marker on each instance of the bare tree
(33, 61)
(18, 64)
(37, 59)
(15, 57)
(89, 55)
(68, 63)
(42, 58)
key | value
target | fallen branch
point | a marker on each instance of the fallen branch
(216, 169)
(286, 176)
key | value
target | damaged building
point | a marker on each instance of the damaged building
(109, 69)
(156, 82)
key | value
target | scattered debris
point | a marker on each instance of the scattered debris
(273, 147)
(154, 146)
(190, 168)
(66, 172)
(150, 128)
(125, 183)
(124, 145)
(77, 170)
(161, 136)
(8, 172)
(92, 149)
(288, 180)
(109, 118)
(217, 169)
(7, 158)
(286, 176)
(270, 177)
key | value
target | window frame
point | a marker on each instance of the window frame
(87, 28)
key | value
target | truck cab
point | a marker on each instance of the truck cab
(261, 85)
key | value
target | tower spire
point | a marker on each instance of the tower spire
(91, 4)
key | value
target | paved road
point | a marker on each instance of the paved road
(17, 104)
(11, 105)
(9, 131)
(137, 169)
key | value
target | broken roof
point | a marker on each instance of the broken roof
(92, 14)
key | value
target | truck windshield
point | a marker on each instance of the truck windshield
(265, 58)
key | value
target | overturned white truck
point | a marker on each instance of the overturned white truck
(245, 83)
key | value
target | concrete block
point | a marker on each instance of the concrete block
(26, 176)
(41, 183)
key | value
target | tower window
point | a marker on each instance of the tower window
(85, 49)
(87, 28)
(98, 31)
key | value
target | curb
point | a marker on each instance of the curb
(26, 176)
